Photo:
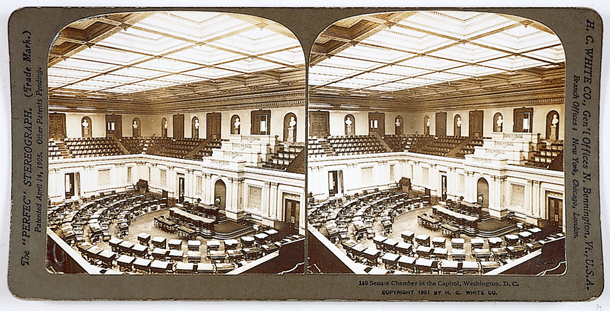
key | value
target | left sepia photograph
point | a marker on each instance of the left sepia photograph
(176, 146)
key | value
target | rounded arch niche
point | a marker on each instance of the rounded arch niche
(290, 127)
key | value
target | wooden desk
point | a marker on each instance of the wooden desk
(175, 244)
(142, 264)
(158, 266)
(205, 268)
(160, 253)
(185, 267)
(423, 239)
(144, 238)
(176, 255)
(406, 262)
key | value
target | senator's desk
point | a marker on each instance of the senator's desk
(176, 255)
(356, 251)
(160, 253)
(499, 253)
(458, 254)
(125, 261)
(423, 239)
(144, 238)
(140, 250)
(404, 248)
(481, 253)
(205, 268)
(487, 266)
(125, 247)
(224, 267)
(406, 262)
(390, 260)
(142, 264)
(185, 267)
(114, 244)
(471, 267)
(407, 236)
(106, 257)
(159, 242)
(389, 245)
(494, 242)
(439, 252)
(159, 266)
(423, 251)
(449, 266)
(424, 265)
(371, 255)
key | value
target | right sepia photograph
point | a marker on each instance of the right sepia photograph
(436, 146)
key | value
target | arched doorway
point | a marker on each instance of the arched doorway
(398, 125)
(86, 127)
(220, 195)
(195, 127)
(483, 192)
(290, 127)
(350, 125)
(135, 128)
(164, 127)
(552, 125)
(457, 126)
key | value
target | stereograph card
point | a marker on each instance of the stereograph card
(381, 154)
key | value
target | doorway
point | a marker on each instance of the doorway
(72, 182)
(181, 188)
(335, 182)
(213, 125)
(555, 212)
(319, 124)
(220, 195)
(291, 215)
(483, 192)
(475, 123)
(443, 187)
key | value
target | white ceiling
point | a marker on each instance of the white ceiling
(166, 49)
(431, 47)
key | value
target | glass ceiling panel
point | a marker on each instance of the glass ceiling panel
(97, 53)
(86, 65)
(552, 55)
(514, 63)
(469, 53)
(251, 65)
(407, 40)
(402, 70)
(167, 65)
(211, 73)
(474, 71)
(430, 63)
(205, 54)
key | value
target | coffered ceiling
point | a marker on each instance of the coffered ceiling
(178, 61)
(435, 60)
(158, 62)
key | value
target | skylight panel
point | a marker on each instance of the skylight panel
(167, 65)
(513, 63)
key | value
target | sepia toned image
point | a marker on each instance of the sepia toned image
(436, 146)
(176, 145)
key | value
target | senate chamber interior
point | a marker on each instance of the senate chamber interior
(435, 146)
(176, 145)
